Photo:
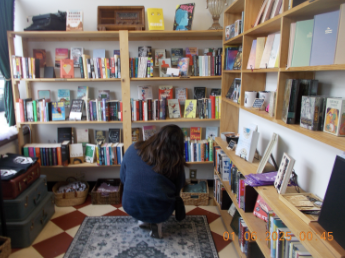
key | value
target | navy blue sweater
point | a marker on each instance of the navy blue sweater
(147, 196)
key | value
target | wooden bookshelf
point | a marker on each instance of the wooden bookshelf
(175, 35)
(268, 70)
(67, 80)
(82, 165)
(70, 122)
(205, 78)
(316, 246)
(235, 40)
(254, 224)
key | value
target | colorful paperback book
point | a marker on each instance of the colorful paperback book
(274, 51)
(60, 53)
(41, 55)
(66, 68)
(324, 38)
(181, 94)
(174, 108)
(190, 52)
(155, 18)
(144, 92)
(164, 64)
(252, 56)
(195, 133)
(148, 131)
(230, 58)
(335, 117)
(74, 20)
(136, 134)
(114, 135)
(64, 96)
(184, 16)
(144, 51)
(312, 112)
(176, 54)
(190, 108)
(211, 132)
(165, 92)
(83, 92)
(44, 94)
(183, 66)
(90, 153)
(58, 111)
(159, 54)
(76, 54)
(100, 136)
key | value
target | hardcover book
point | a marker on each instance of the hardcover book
(148, 131)
(144, 51)
(199, 92)
(155, 18)
(190, 108)
(183, 66)
(76, 111)
(252, 56)
(41, 55)
(238, 60)
(230, 58)
(60, 53)
(165, 92)
(136, 134)
(176, 54)
(114, 135)
(312, 112)
(335, 117)
(211, 132)
(74, 20)
(302, 44)
(339, 53)
(184, 16)
(159, 54)
(144, 92)
(232, 90)
(324, 38)
(76, 54)
(64, 96)
(66, 68)
(181, 94)
(174, 108)
(164, 64)
(290, 101)
(100, 136)
(58, 111)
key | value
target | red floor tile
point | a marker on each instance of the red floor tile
(69, 220)
(210, 215)
(86, 203)
(116, 213)
(54, 246)
(219, 241)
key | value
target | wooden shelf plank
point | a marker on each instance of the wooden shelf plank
(235, 40)
(227, 220)
(236, 7)
(254, 224)
(178, 78)
(67, 35)
(199, 162)
(82, 165)
(268, 70)
(70, 122)
(232, 71)
(270, 26)
(231, 102)
(175, 35)
(67, 80)
(333, 67)
(329, 139)
(176, 120)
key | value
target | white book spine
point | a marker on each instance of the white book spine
(145, 111)
(95, 63)
(154, 110)
(103, 68)
(135, 110)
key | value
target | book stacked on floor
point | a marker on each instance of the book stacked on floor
(166, 106)
(318, 41)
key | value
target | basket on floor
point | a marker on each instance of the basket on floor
(70, 198)
(195, 198)
(106, 198)
(5, 247)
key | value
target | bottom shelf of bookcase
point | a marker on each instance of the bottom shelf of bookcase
(82, 165)
(227, 220)
(254, 224)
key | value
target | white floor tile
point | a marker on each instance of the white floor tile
(210, 209)
(59, 211)
(48, 231)
(26, 252)
(217, 226)
(97, 210)
(72, 231)
(228, 252)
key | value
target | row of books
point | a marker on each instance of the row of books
(264, 52)
(141, 67)
(107, 154)
(198, 151)
(104, 110)
(318, 41)
(233, 58)
(234, 29)
(234, 91)
(156, 109)
(269, 9)
(25, 67)
(99, 68)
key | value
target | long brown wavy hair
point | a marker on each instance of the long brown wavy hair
(164, 150)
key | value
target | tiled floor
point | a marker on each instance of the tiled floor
(58, 234)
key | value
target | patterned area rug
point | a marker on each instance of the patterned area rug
(121, 237)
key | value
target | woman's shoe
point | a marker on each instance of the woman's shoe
(156, 230)
(144, 225)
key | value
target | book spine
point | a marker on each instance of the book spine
(59, 156)
(217, 107)
(81, 67)
(206, 151)
(44, 157)
(65, 154)
(55, 162)
(92, 64)
(202, 152)
(50, 156)
(140, 110)
(189, 150)
(34, 108)
(186, 155)
(103, 63)
(108, 154)
(145, 115)
(101, 156)
(98, 151)
(113, 69)
(31, 152)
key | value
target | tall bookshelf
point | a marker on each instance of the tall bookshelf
(123, 38)
(255, 80)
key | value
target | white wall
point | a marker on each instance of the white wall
(48, 133)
